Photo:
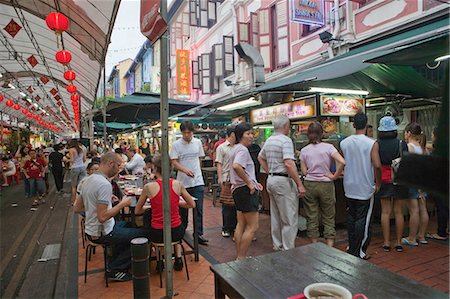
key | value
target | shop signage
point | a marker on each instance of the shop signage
(183, 74)
(308, 12)
(295, 110)
(152, 24)
(340, 106)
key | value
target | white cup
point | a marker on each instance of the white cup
(326, 287)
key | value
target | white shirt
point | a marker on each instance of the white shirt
(359, 178)
(223, 157)
(188, 155)
(276, 149)
(136, 164)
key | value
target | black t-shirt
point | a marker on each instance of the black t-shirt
(56, 159)
(389, 150)
(146, 150)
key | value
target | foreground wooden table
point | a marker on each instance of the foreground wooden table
(287, 273)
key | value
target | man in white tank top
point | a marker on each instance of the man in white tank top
(362, 178)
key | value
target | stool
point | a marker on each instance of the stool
(90, 249)
(158, 247)
(215, 193)
(83, 235)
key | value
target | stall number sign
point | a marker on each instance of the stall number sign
(308, 12)
(294, 110)
(183, 74)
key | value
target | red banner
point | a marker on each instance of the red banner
(152, 24)
(183, 74)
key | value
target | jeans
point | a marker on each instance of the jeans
(197, 192)
(229, 218)
(119, 240)
(359, 218)
(27, 187)
(442, 216)
(58, 175)
(37, 186)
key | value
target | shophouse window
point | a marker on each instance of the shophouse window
(203, 13)
(308, 29)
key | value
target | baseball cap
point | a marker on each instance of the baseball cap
(387, 123)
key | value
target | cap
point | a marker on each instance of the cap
(387, 123)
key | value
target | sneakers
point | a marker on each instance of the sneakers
(226, 234)
(178, 264)
(5, 185)
(405, 241)
(119, 276)
(202, 240)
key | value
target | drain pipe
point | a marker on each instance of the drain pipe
(237, 74)
(337, 29)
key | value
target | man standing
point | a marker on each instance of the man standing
(185, 155)
(222, 139)
(362, 179)
(34, 170)
(283, 184)
(100, 226)
(223, 162)
(136, 164)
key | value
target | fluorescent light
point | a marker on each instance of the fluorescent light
(264, 127)
(22, 94)
(11, 86)
(442, 58)
(35, 105)
(242, 104)
(1, 75)
(336, 90)
(29, 100)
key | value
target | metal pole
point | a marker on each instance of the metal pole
(164, 114)
(105, 137)
(139, 263)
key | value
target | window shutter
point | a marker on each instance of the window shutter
(243, 32)
(265, 44)
(195, 75)
(186, 31)
(282, 33)
(254, 26)
(212, 14)
(228, 55)
(218, 60)
(193, 15)
(200, 73)
(203, 20)
(206, 73)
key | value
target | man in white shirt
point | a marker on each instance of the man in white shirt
(9, 169)
(185, 154)
(362, 179)
(136, 164)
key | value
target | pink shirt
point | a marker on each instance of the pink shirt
(317, 158)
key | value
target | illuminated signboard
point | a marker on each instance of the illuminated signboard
(295, 110)
(340, 106)
(309, 12)
(183, 74)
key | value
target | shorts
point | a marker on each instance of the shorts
(157, 235)
(244, 201)
(391, 190)
(416, 193)
(76, 174)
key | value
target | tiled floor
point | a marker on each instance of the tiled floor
(427, 264)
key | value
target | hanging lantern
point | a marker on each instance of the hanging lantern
(24, 111)
(69, 75)
(63, 57)
(57, 22)
(9, 103)
(16, 107)
(1, 98)
(74, 97)
(71, 88)
(75, 104)
(29, 115)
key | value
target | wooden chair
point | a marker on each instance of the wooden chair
(158, 247)
(90, 249)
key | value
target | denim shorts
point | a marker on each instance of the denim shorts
(76, 174)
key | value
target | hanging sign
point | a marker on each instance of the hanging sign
(152, 24)
(340, 106)
(183, 74)
(308, 12)
(295, 110)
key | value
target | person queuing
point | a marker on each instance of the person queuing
(392, 196)
(222, 139)
(77, 170)
(185, 154)
(34, 170)
(153, 191)
(361, 180)
(9, 170)
(100, 225)
(245, 189)
(136, 163)
(223, 162)
(320, 199)
(22, 155)
(277, 158)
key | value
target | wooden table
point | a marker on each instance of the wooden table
(287, 273)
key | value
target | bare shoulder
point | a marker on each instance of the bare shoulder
(177, 186)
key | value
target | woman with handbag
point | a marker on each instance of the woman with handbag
(391, 195)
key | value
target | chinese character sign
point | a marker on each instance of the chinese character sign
(183, 74)
(309, 12)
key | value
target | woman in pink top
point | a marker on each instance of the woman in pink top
(320, 199)
(153, 191)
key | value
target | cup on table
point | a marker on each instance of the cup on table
(326, 290)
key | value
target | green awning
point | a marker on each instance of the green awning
(114, 125)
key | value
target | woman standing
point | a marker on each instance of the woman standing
(77, 170)
(391, 195)
(153, 191)
(320, 198)
(56, 160)
(245, 189)
(23, 156)
(418, 214)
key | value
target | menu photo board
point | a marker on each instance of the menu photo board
(331, 105)
(294, 110)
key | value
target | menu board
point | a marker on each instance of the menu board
(294, 110)
(340, 106)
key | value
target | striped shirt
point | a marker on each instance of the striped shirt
(277, 148)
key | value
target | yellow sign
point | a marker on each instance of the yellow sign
(183, 74)
(295, 110)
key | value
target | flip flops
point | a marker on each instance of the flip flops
(405, 241)
(399, 248)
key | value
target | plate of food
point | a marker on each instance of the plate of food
(331, 106)
(353, 106)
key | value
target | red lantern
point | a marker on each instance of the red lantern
(36, 117)
(57, 22)
(1, 98)
(69, 75)
(63, 57)
(74, 104)
(71, 88)
(9, 103)
(24, 111)
(74, 97)
(16, 107)
(29, 115)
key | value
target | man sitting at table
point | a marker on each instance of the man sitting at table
(100, 226)
(136, 163)
(9, 169)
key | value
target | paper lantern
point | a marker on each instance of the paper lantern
(16, 107)
(71, 88)
(1, 98)
(74, 97)
(24, 111)
(9, 103)
(29, 115)
(69, 75)
(75, 104)
(63, 57)
(57, 22)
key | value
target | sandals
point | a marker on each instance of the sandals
(422, 241)
(399, 248)
(436, 237)
(386, 248)
(405, 241)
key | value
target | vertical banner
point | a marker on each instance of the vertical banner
(183, 74)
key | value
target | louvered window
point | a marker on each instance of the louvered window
(254, 26)
(282, 35)
(195, 75)
(265, 37)
(206, 73)
(244, 32)
(218, 60)
(228, 57)
(202, 13)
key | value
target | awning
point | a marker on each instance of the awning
(115, 127)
